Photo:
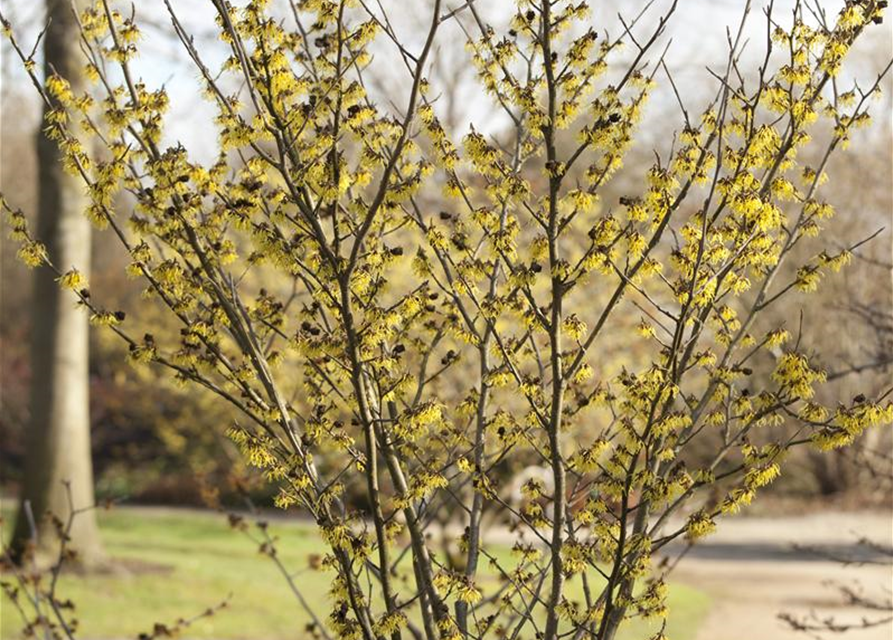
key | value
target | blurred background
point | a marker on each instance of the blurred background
(161, 449)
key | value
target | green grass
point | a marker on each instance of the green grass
(191, 561)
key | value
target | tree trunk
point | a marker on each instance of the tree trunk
(58, 438)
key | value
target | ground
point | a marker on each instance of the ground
(174, 563)
(756, 568)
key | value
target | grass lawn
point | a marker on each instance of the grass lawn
(191, 561)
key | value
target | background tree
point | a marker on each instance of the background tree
(58, 438)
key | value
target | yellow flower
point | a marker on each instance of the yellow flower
(72, 280)
(699, 525)
(574, 327)
(645, 329)
(33, 254)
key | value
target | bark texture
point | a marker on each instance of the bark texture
(58, 438)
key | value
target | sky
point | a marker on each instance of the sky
(697, 31)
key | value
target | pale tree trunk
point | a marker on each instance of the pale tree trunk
(58, 438)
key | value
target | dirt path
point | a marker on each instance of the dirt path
(753, 571)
